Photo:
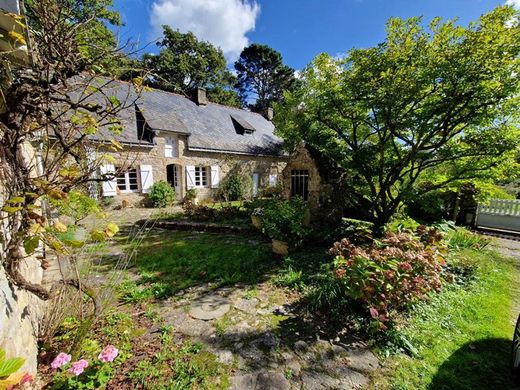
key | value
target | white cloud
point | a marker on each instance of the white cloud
(514, 3)
(224, 23)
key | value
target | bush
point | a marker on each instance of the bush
(161, 194)
(389, 275)
(191, 195)
(283, 219)
(461, 238)
(235, 187)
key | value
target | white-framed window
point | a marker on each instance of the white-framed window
(170, 146)
(201, 176)
(127, 180)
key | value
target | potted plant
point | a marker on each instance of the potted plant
(282, 221)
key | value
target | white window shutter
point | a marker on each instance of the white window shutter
(109, 186)
(215, 176)
(170, 146)
(146, 178)
(190, 176)
(273, 179)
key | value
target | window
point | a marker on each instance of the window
(127, 181)
(201, 176)
(300, 183)
(170, 146)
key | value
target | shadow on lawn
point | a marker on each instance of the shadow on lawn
(482, 364)
(182, 259)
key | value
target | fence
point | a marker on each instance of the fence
(502, 214)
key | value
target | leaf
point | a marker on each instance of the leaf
(11, 380)
(31, 244)
(98, 235)
(116, 144)
(60, 227)
(16, 199)
(74, 243)
(113, 228)
(10, 366)
(36, 228)
(17, 37)
(11, 209)
(57, 194)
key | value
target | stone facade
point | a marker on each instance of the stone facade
(319, 191)
(136, 156)
(21, 311)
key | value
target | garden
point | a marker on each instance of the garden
(341, 308)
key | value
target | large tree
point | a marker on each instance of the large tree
(185, 63)
(443, 98)
(262, 76)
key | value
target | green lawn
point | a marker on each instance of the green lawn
(173, 261)
(463, 335)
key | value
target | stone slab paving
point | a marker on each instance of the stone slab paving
(250, 330)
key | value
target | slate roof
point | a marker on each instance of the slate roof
(209, 128)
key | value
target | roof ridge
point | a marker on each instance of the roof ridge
(185, 96)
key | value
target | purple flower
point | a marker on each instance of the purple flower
(108, 354)
(78, 367)
(60, 360)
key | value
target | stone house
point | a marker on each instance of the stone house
(306, 176)
(190, 143)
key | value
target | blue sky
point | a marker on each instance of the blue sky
(299, 29)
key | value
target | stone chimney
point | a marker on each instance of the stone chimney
(200, 96)
(269, 114)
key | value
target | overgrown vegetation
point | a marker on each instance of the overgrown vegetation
(162, 194)
(462, 335)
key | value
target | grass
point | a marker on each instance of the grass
(462, 335)
(173, 261)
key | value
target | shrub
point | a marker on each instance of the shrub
(161, 194)
(283, 220)
(461, 238)
(391, 274)
(236, 187)
(191, 195)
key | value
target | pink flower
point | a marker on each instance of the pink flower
(78, 367)
(374, 313)
(26, 378)
(108, 354)
(60, 360)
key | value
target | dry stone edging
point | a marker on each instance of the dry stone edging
(195, 226)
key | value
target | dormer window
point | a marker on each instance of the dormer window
(242, 126)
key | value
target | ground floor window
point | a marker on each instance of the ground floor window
(127, 180)
(201, 176)
(300, 183)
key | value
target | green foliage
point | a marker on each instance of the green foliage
(390, 275)
(162, 194)
(185, 63)
(463, 327)
(186, 366)
(460, 238)
(283, 219)
(76, 205)
(191, 194)
(8, 369)
(96, 376)
(262, 74)
(236, 186)
(416, 104)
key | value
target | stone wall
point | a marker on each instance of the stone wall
(132, 157)
(302, 160)
(20, 311)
